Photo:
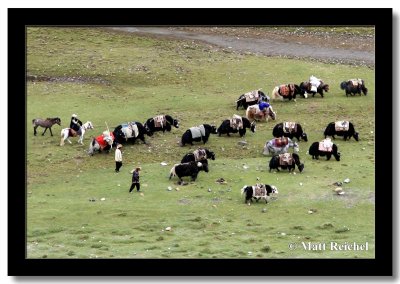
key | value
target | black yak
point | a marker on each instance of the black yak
(188, 169)
(341, 128)
(286, 161)
(289, 129)
(235, 125)
(197, 155)
(313, 86)
(319, 149)
(288, 91)
(251, 98)
(258, 191)
(198, 133)
(130, 131)
(160, 123)
(354, 86)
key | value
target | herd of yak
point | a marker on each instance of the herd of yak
(192, 163)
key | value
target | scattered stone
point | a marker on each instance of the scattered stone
(264, 210)
(169, 188)
(141, 194)
(168, 228)
(245, 167)
(338, 183)
(258, 178)
(103, 199)
(119, 184)
(221, 181)
(209, 190)
(347, 180)
(242, 143)
(177, 189)
(311, 211)
(163, 164)
(301, 184)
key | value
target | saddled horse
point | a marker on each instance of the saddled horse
(45, 123)
(251, 98)
(288, 91)
(254, 113)
(101, 143)
(160, 123)
(307, 87)
(69, 132)
(280, 146)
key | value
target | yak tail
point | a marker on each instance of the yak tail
(248, 113)
(274, 93)
(343, 85)
(242, 190)
(172, 172)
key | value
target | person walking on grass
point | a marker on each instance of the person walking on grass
(135, 180)
(118, 158)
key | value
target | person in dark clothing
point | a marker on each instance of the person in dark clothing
(135, 179)
(75, 123)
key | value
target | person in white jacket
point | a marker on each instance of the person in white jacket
(118, 158)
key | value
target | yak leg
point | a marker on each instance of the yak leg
(44, 131)
(34, 130)
(51, 132)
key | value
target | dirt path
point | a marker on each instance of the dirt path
(271, 45)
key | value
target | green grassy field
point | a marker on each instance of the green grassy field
(125, 77)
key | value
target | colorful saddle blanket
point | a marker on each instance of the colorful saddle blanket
(105, 140)
(286, 90)
(285, 159)
(236, 122)
(289, 127)
(341, 125)
(160, 121)
(325, 145)
(259, 190)
(199, 154)
(251, 96)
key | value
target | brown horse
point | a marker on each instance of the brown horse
(45, 123)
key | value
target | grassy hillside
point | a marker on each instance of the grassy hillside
(112, 77)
